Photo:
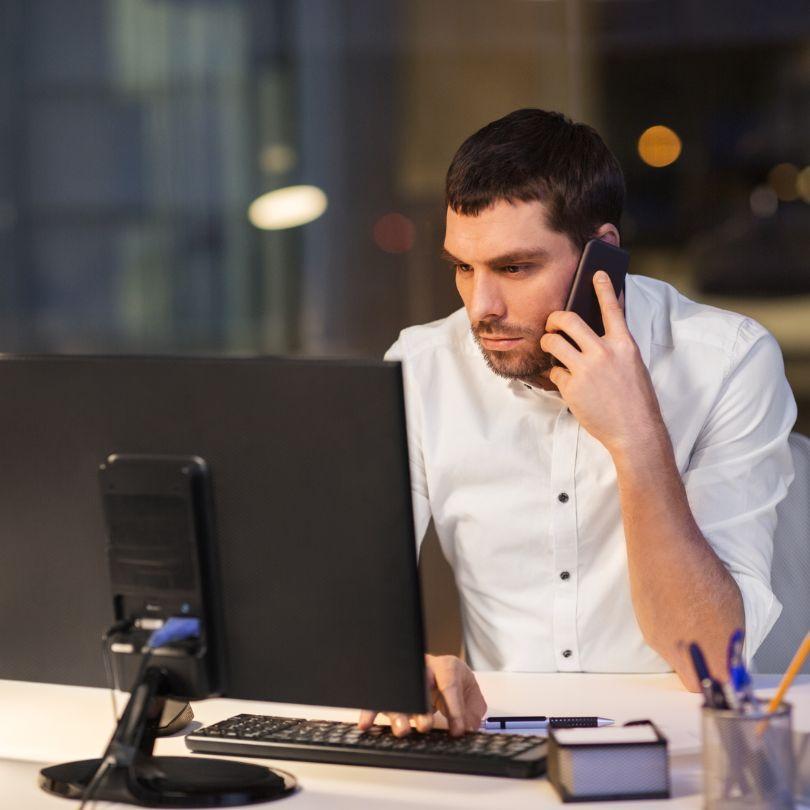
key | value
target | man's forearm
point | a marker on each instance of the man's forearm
(681, 590)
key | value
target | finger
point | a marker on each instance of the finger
(367, 718)
(560, 377)
(453, 708)
(424, 722)
(400, 724)
(555, 344)
(472, 720)
(430, 678)
(573, 326)
(612, 315)
(474, 704)
(476, 710)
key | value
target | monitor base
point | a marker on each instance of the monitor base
(129, 773)
(171, 782)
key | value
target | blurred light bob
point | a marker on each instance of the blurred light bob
(764, 202)
(803, 184)
(394, 233)
(659, 146)
(287, 207)
(782, 178)
(277, 158)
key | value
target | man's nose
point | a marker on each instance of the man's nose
(486, 302)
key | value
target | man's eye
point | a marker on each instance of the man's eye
(462, 268)
(513, 269)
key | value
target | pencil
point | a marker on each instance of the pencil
(790, 674)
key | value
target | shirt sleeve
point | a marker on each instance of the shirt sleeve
(413, 418)
(740, 470)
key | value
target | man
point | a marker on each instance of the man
(600, 514)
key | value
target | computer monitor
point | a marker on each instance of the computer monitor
(314, 528)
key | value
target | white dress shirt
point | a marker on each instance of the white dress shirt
(525, 501)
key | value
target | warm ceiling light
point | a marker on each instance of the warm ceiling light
(659, 146)
(287, 207)
(803, 184)
(782, 179)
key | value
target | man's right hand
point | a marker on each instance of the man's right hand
(453, 691)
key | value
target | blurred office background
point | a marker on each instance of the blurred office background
(136, 134)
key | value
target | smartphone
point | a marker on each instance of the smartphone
(597, 255)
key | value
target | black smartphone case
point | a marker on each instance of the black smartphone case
(597, 255)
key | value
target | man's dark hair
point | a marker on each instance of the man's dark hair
(539, 155)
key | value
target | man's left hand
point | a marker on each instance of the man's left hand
(605, 383)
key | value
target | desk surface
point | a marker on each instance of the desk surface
(43, 724)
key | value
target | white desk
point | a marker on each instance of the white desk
(44, 724)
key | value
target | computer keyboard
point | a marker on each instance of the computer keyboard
(514, 755)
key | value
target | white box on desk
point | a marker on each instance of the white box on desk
(609, 764)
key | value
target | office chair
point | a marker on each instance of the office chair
(790, 575)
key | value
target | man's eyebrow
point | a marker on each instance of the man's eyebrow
(512, 257)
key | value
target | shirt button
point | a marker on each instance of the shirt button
(564, 575)
(566, 653)
(563, 497)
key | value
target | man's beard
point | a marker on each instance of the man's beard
(515, 364)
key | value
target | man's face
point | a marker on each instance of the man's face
(512, 272)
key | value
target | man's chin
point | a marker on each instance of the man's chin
(514, 367)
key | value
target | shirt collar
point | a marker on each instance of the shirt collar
(638, 314)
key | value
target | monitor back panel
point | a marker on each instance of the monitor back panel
(313, 517)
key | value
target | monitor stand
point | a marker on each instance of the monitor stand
(132, 775)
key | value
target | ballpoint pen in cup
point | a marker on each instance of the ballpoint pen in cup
(713, 694)
(739, 680)
(741, 774)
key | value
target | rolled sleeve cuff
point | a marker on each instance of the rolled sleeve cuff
(761, 609)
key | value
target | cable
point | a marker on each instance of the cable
(175, 629)
(108, 671)
(94, 784)
(106, 643)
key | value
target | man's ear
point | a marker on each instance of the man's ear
(608, 233)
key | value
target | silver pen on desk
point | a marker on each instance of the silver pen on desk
(543, 722)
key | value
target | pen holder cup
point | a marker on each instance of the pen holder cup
(747, 759)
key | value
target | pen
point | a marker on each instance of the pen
(734, 744)
(712, 690)
(739, 679)
(543, 722)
